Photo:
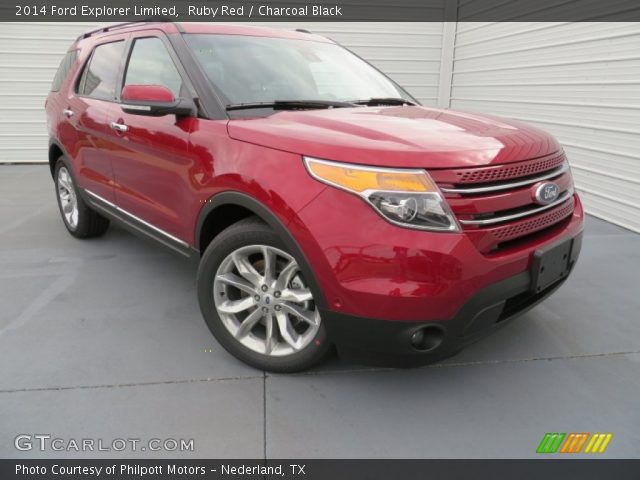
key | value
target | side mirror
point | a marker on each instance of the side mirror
(154, 101)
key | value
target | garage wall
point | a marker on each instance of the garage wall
(29, 57)
(579, 81)
(30, 54)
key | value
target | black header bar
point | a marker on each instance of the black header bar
(289, 469)
(322, 10)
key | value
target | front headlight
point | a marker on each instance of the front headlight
(409, 198)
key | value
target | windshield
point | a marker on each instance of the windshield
(247, 69)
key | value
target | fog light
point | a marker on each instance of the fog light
(427, 338)
(417, 338)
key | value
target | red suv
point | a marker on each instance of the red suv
(327, 207)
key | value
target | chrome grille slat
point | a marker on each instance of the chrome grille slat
(514, 216)
(506, 186)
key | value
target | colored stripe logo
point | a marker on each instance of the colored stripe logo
(598, 443)
(574, 443)
(550, 442)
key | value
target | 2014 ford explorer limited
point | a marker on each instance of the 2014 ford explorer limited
(328, 207)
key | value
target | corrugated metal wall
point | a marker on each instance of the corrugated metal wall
(579, 81)
(30, 54)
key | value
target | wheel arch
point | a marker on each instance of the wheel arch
(56, 150)
(226, 208)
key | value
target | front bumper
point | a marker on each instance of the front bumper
(388, 343)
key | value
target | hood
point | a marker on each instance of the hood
(397, 136)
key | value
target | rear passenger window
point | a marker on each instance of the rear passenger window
(101, 73)
(151, 64)
(63, 70)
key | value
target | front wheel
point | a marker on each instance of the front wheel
(257, 302)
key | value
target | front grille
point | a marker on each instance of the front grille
(494, 205)
(524, 227)
(501, 172)
(490, 239)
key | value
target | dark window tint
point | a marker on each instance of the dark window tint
(151, 64)
(100, 75)
(63, 70)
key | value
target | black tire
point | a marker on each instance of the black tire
(89, 222)
(248, 232)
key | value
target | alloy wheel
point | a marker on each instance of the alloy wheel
(262, 299)
(68, 199)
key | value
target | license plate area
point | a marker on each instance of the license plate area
(550, 265)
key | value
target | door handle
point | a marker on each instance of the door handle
(119, 127)
(67, 112)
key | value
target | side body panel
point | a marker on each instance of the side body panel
(152, 168)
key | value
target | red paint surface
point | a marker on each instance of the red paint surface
(146, 93)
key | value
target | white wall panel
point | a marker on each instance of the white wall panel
(29, 56)
(579, 81)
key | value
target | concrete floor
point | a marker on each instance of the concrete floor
(104, 339)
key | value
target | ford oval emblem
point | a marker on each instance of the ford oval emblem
(546, 192)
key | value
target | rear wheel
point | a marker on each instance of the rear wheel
(80, 220)
(257, 302)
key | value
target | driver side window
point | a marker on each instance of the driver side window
(151, 64)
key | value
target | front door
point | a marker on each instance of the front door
(150, 157)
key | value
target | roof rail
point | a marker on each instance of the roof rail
(109, 28)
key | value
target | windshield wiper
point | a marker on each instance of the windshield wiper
(373, 102)
(290, 105)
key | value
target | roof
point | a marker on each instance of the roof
(210, 28)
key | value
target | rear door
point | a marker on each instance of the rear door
(87, 112)
(151, 159)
